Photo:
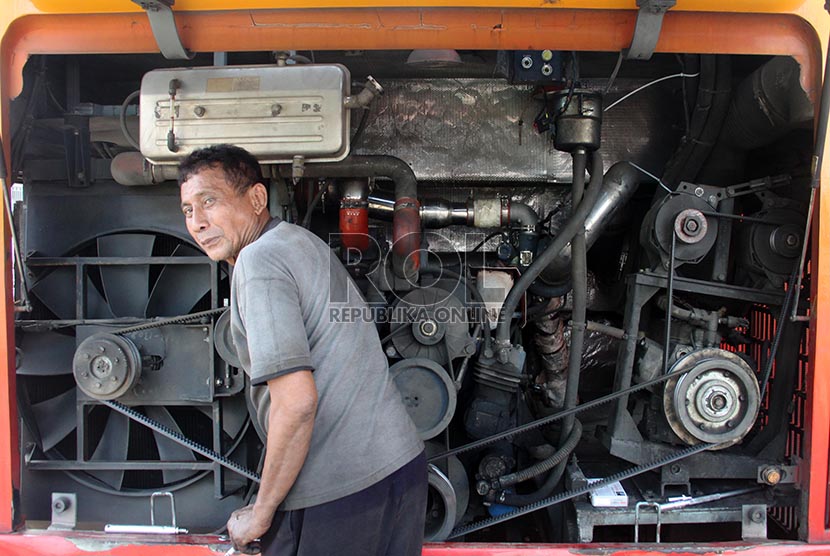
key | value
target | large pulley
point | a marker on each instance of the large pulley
(715, 400)
(435, 326)
(428, 394)
(106, 366)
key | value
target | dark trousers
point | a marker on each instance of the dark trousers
(385, 519)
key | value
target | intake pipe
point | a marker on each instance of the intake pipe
(491, 212)
(406, 220)
(133, 169)
(618, 186)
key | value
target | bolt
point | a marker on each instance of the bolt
(547, 70)
(115, 360)
(791, 240)
(218, 382)
(60, 505)
(276, 109)
(86, 355)
(691, 226)
(527, 62)
(771, 475)
(84, 374)
(675, 469)
(98, 384)
(391, 351)
(757, 516)
(712, 199)
(699, 191)
(721, 277)
(102, 349)
(199, 111)
(730, 424)
(114, 379)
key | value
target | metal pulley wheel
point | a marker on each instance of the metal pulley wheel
(437, 326)
(106, 366)
(454, 470)
(223, 342)
(441, 506)
(716, 399)
(427, 392)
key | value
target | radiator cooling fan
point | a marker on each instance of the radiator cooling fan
(179, 390)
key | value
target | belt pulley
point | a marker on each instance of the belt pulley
(459, 531)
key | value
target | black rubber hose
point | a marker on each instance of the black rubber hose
(546, 464)
(544, 290)
(579, 279)
(571, 227)
(543, 491)
(711, 106)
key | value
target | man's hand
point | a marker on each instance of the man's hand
(245, 527)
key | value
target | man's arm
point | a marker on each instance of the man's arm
(290, 424)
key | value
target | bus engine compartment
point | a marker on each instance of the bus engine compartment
(582, 268)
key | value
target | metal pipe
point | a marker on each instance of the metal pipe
(491, 212)
(566, 233)
(618, 186)
(406, 227)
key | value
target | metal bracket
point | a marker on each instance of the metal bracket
(163, 24)
(647, 30)
(64, 511)
(754, 522)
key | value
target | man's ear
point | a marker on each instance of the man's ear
(258, 196)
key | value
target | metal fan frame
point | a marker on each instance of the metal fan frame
(209, 394)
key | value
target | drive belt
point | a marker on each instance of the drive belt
(181, 439)
(571, 494)
(159, 427)
(459, 531)
(555, 417)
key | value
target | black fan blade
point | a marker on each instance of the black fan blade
(57, 291)
(45, 354)
(234, 414)
(113, 446)
(170, 450)
(126, 287)
(179, 287)
(55, 418)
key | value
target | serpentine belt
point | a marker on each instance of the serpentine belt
(459, 531)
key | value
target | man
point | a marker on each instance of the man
(344, 470)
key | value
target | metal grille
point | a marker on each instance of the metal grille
(763, 323)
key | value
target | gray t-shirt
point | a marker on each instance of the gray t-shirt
(288, 294)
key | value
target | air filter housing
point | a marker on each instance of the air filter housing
(275, 112)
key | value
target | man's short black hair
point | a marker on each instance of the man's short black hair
(240, 167)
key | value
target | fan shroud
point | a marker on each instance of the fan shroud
(74, 444)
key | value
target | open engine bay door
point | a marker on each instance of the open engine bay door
(587, 233)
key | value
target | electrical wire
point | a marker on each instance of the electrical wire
(614, 73)
(485, 240)
(649, 84)
(122, 120)
(652, 176)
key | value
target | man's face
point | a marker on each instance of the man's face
(221, 220)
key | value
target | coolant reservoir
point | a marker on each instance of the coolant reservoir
(275, 112)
